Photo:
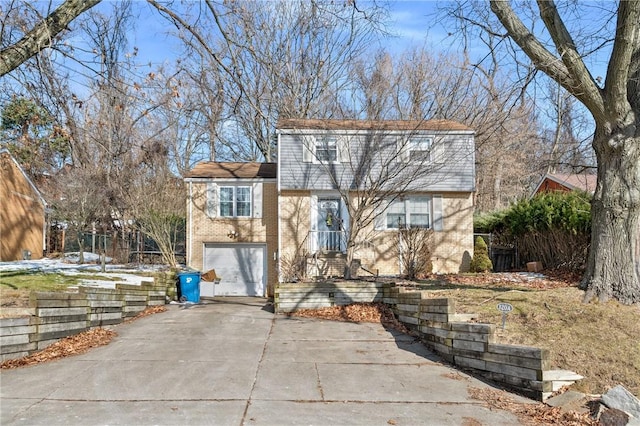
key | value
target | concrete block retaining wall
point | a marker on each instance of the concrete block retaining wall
(314, 295)
(465, 344)
(54, 315)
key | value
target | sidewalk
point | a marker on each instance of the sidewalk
(232, 362)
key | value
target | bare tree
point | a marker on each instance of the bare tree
(80, 202)
(156, 200)
(613, 268)
(40, 36)
(279, 59)
(417, 85)
(566, 150)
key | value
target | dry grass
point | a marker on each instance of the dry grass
(600, 341)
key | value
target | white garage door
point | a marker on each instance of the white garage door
(241, 268)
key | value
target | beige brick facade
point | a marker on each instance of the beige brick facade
(22, 216)
(453, 246)
(204, 229)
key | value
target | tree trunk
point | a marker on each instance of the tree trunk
(613, 266)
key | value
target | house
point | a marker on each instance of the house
(23, 213)
(340, 189)
(566, 182)
(423, 172)
(232, 226)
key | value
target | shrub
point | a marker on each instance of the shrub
(552, 227)
(293, 268)
(415, 248)
(481, 261)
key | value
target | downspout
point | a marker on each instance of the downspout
(278, 185)
(190, 220)
(45, 227)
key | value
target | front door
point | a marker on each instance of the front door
(329, 226)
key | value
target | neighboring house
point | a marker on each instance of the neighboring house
(232, 226)
(323, 164)
(250, 227)
(566, 182)
(22, 213)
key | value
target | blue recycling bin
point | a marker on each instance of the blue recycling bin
(189, 286)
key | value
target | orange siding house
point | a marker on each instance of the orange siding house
(22, 213)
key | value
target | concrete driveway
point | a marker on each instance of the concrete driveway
(232, 362)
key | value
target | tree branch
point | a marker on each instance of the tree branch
(626, 46)
(545, 60)
(41, 35)
(585, 87)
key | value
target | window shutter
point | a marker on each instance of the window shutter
(313, 216)
(344, 215)
(343, 149)
(313, 225)
(308, 148)
(437, 151)
(257, 200)
(379, 221)
(438, 224)
(403, 145)
(212, 200)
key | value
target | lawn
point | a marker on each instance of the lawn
(15, 286)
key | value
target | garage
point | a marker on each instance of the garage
(241, 267)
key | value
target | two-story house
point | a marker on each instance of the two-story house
(342, 190)
(375, 177)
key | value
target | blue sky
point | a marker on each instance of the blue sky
(412, 23)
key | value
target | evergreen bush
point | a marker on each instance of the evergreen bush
(552, 227)
(481, 261)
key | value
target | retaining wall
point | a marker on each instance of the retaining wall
(54, 315)
(313, 295)
(466, 344)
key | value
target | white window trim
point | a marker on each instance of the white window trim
(235, 201)
(407, 145)
(416, 141)
(310, 146)
(407, 212)
(435, 213)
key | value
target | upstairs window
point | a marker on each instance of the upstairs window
(420, 148)
(235, 201)
(327, 149)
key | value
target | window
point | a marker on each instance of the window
(235, 201)
(420, 148)
(327, 149)
(412, 212)
(396, 216)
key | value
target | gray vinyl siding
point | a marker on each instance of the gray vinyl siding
(452, 171)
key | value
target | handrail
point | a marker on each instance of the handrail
(326, 241)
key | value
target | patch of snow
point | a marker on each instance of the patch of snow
(69, 266)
